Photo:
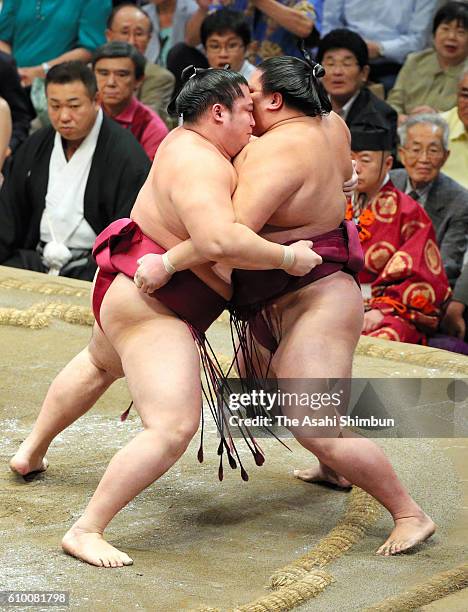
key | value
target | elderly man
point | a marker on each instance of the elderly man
(128, 23)
(151, 340)
(457, 118)
(345, 57)
(423, 152)
(404, 282)
(120, 70)
(391, 30)
(69, 181)
(275, 24)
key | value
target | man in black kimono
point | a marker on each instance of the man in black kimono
(68, 181)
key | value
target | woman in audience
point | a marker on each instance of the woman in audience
(428, 80)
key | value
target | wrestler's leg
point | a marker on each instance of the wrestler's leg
(72, 393)
(308, 352)
(161, 363)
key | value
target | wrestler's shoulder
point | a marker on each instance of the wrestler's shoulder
(184, 147)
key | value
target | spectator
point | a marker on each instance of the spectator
(275, 24)
(404, 283)
(42, 34)
(69, 181)
(423, 151)
(169, 19)
(225, 36)
(428, 80)
(128, 23)
(391, 30)
(457, 164)
(20, 106)
(456, 316)
(5, 133)
(345, 57)
(119, 70)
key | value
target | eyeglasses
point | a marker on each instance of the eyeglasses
(346, 64)
(433, 154)
(230, 47)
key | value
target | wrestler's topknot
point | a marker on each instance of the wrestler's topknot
(205, 87)
(298, 81)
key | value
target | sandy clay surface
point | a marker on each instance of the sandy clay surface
(196, 542)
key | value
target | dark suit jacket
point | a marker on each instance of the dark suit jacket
(118, 170)
(447, 206)
(363, 104)
(21, 108)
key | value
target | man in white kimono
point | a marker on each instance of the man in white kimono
(68, 181)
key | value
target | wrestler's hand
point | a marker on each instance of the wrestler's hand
(151, 273)
(372, 319)
(305, 259)
(350, 186)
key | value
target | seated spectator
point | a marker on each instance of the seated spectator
(119, 70)
(275, 24)
(456, 316)
(42, 34)
(404, 282)
(428, 80)
(128, 23)
(68, 182)
(21, 108)
(345, 57)
(457, 119)
(423, 151)
(169, 19)
(391, 30)
(5, 133)
(225, 35)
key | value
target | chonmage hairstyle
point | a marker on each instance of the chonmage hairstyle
(206, 87)
(297, 81)
(121, 49)
(70, 72)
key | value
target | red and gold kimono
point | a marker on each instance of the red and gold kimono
(403, 265)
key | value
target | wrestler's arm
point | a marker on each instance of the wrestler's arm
(203, 202)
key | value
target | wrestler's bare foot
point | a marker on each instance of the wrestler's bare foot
(407, 533)
(93, 549)
(28, 461)
(322, 473)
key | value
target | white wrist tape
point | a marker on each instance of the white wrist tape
(288, 257)
(167, 264)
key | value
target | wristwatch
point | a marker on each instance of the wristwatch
(45, 67)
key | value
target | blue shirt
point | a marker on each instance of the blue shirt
(269, 39)
(401, 26)
(41, 30)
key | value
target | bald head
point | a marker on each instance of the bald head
(128, 23)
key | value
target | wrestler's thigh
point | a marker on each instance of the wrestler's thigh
(159, 356)
(103, 355)
(321, 326)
